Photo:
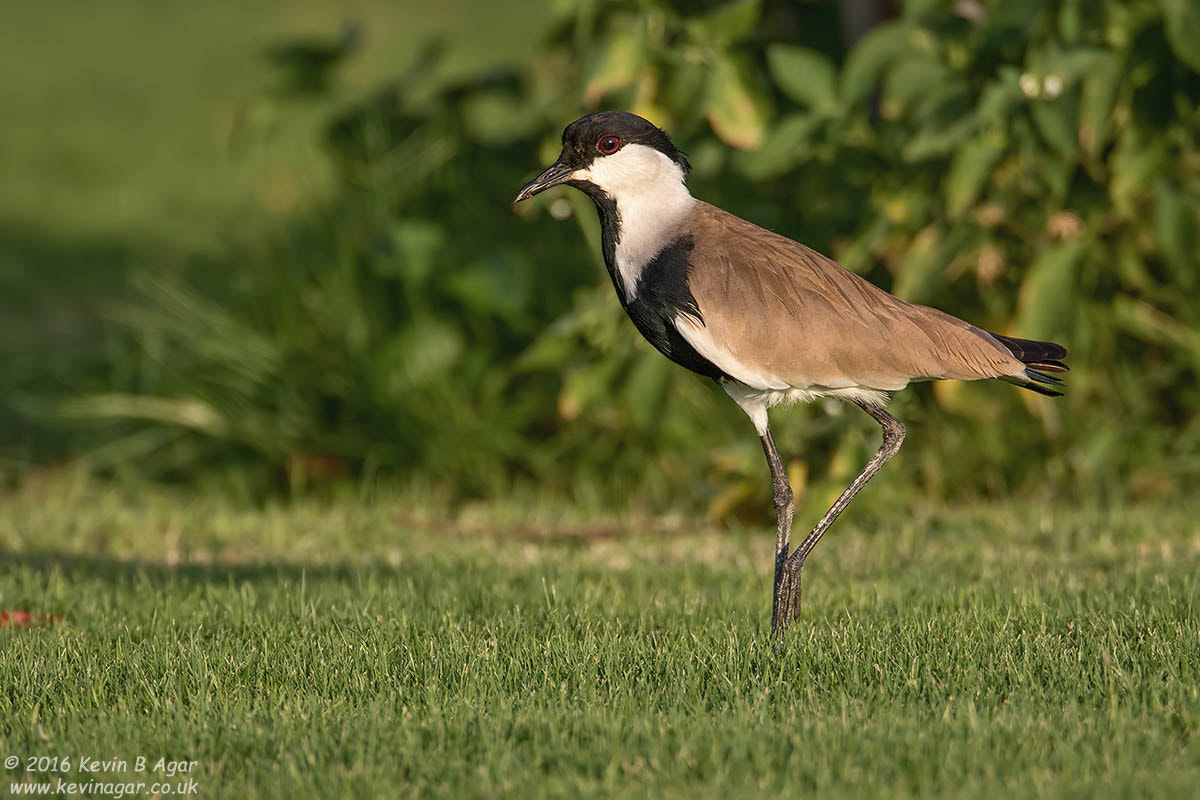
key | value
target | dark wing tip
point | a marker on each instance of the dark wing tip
(1048, 366)
(1029, 351)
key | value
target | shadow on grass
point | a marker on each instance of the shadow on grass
(115, 570)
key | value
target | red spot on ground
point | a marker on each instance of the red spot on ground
(24, 619)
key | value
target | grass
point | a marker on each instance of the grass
(344, 649)
(329, 650)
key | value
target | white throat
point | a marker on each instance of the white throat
(652, 202)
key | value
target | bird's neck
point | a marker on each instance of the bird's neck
(636, 226)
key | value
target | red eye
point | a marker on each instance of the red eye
(608, 145)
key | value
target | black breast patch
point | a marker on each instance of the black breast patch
(663, 294)
(662, 290)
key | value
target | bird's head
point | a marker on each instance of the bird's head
(613, 152)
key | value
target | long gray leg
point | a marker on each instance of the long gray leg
(784, 508)
(787, 607)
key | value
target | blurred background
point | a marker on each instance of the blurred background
(269, 249)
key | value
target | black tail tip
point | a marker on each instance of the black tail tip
(1040, 382)
(1040, 359)
(1034, 387)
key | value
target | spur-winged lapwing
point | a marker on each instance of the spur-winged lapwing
(767, 318)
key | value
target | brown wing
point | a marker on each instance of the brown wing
(773, 307)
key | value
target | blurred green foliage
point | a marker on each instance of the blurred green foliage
(1032, 166)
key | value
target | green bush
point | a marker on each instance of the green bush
(1033, 167)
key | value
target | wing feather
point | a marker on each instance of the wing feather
(779, 311)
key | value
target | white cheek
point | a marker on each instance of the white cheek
(634, 169)
(652, 201)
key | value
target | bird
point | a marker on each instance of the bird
(770, 320)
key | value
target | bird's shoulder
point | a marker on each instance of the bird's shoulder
(774, 295)
(738, 260)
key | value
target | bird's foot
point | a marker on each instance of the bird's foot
(787, 598)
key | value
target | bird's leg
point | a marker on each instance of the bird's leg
(788, 608)
(784, 507)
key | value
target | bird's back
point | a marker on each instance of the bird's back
(779, 314)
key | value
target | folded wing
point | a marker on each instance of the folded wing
(776, 314)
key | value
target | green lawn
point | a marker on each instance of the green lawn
(337, 651)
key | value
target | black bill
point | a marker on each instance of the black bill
(554, 175)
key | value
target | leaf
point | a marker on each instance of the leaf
(1183, 30)
(1046, 301)
(736, 112)
(185, 412)
(729, 23)
(786, 145)
(1135, 162)
(883, 44)
(937, 139)
(1056, 175)
(1155, 325)
(970, 169)
(804, 75)
(496, 117)
(736, 494)
(1070, 21)
(554, 346)
(950, 103)
(1131, 267)
(922, 266)
(997, 101)
(492, 285)
(857, 255)
(919, 8)
(912, 80)
(417, 243)
(685, 85)
(591, 385)
(1100, 89)
(617, 66)
(1175, 223)
(1068, 66)
(1058, 122)
(424, 351)
(645, 390)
